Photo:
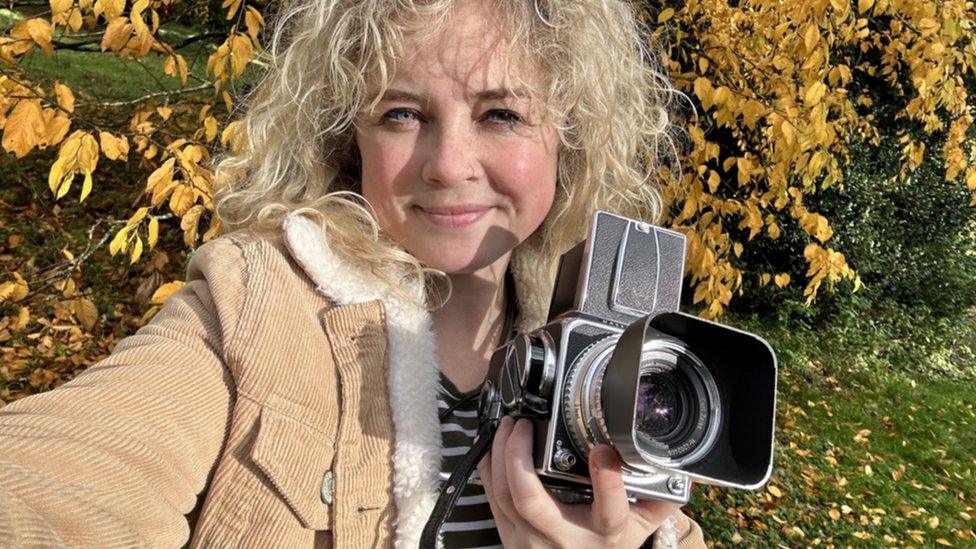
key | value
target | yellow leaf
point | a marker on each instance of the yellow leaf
(86, 186)
(703, 89)
(834, 514)
(233, 5)
(23, 318)
(864, 5)
(164, 291)
(164, 112)
(66, 99)
(189, 224)
(60, 6)
(814, 93)
(933, 522)
(119, 242)
(781, 280)
(774, 490)
(117, 33)
(148, 315)
(713, 181)
(86, 312)
(75, 20)
(14, 291)
(56, 126)
(228, 102)
(161, 176)
(64, 188)
(138, 216)
(153, 232)
(665, 15)
(254, 21)
(182, 198)
(69, 289)
(41, 32)
(114, 148)
(56, 175)
(210, 128)
(113, 8)
(88, 152)
(241, 53)
(811, 35)
(136, 251)
(24, 127)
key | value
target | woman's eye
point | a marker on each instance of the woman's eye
(504, 116)
(399, 116)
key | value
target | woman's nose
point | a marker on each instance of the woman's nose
(452, 156)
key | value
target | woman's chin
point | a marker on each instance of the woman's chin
(457, 263)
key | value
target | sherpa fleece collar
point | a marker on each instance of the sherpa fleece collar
(414, 374)
(413, 371)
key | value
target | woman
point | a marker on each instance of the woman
(293, 382)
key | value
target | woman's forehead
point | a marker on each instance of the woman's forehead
(470, 53)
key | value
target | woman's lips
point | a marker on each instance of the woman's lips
(454, 217)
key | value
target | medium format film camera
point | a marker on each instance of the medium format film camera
(680, 398)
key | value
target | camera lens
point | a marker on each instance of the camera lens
(676, 410)
(660, 406)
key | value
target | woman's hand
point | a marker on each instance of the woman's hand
(527, 515)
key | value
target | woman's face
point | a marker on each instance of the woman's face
(457, 168)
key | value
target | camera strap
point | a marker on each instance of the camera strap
(451, 490)
(489, 414)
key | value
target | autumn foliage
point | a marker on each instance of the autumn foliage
(781, 90)
(784, 89)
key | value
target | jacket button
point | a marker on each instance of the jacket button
(326, 490)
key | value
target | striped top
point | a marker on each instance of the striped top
(471, 523)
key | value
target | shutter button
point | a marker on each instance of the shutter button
(327, 488)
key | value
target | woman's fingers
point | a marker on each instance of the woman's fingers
(502, 522)
(610, 510)
(501, 494)
(534, 504)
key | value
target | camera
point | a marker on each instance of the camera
(682, 399)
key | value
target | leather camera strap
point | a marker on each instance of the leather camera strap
(451, 490)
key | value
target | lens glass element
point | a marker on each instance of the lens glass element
(676, 402)
(660, 405)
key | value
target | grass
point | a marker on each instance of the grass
(106, 76)
(864, 457)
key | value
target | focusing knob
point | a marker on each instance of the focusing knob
(522, 376)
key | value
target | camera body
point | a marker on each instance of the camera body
(681, 398)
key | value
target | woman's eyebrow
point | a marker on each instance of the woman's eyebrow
(502, 93)
(393, 94)
(401, 95)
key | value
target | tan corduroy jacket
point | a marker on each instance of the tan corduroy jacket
(295, 393)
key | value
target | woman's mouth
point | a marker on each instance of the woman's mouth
(454, 217)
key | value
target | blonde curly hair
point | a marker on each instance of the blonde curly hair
(603, 83)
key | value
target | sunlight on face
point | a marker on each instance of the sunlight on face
(459, 166)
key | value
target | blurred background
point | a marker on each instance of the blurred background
(827, 192)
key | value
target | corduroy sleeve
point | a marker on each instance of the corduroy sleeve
(117, 456)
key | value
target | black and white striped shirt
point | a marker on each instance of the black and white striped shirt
(471, 523)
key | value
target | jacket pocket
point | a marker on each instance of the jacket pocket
(295, 457)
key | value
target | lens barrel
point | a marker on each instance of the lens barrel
(676, 416)
(676, 407)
